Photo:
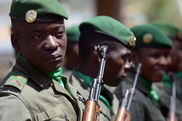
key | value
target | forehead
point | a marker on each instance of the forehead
(148, 51)
(120, 51)
(37, 26)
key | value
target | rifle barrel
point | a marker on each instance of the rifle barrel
(134, 85)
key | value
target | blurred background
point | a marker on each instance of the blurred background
(129, 12)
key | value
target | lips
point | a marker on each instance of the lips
(160, 71)
(54, 57)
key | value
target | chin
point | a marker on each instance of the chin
(52, 68)
(114, 83)
(158, 78)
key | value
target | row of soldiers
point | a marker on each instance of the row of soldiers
(39, 88)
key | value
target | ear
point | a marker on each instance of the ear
(95, 56)
(15, 42)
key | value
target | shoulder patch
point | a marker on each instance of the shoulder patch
(17, 80)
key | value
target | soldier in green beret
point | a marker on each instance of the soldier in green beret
(102, 30)
(164, 89)
(71, 56)
(35, 89)
(152, 50)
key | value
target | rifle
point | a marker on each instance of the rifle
(92, 108)
(123, 111)
(172, 114)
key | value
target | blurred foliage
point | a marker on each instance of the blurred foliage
(165, 10)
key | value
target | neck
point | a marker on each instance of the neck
(88, 68)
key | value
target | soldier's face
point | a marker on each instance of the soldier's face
(42, 44)
(154, 61)
(116, 63)
(176, 55)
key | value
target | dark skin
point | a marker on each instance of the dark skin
(155, 62)
(116, 63)
(41, 44)
(72, 55)
(176, 56)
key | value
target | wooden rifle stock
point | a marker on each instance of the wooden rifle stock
(123, 111)
(126, 116)
(90, 111)
(92, 108)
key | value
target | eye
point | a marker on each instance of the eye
(167, 55)
(59, 33)
(37, 36)
(155, 56)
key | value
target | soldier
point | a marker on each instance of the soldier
(164, 89)
(152, 50)
(102, 30)
(35, 90)
(71, 56)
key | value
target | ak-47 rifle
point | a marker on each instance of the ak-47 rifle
(123, 111)
(172, 114)
(92, 108)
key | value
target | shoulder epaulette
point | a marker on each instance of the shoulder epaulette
(17, 80)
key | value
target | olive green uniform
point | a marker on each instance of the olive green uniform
(67, 72)
(164, 92)
(105, 114)
(30, 95)
(143, 106)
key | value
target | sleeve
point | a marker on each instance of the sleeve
(12, 109)
(137, 112)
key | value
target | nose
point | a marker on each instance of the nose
(50, 43)
(164, 61)
(127, 65)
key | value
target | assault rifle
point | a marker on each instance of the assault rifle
(123, 111)
(92, 108)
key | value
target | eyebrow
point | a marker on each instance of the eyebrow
(36, 31)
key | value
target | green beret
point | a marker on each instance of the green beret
(37, 10)
(73, 33)
(150, 36)
(109, 26)
(168, 28)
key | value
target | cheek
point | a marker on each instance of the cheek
(63, 44)
(148, 63)
(148, 66)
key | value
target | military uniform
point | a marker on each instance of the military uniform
(29, 92)
(164, 91)
(143, 106)
(146, 103)
(83, 89)
(35, 96)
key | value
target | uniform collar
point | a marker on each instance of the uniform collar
(145, 87)
(179, 74)
(105, 96)
(35, 74)
(140, 86)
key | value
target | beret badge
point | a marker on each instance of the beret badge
(147, 38)
(132, 41)
(31, 16)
